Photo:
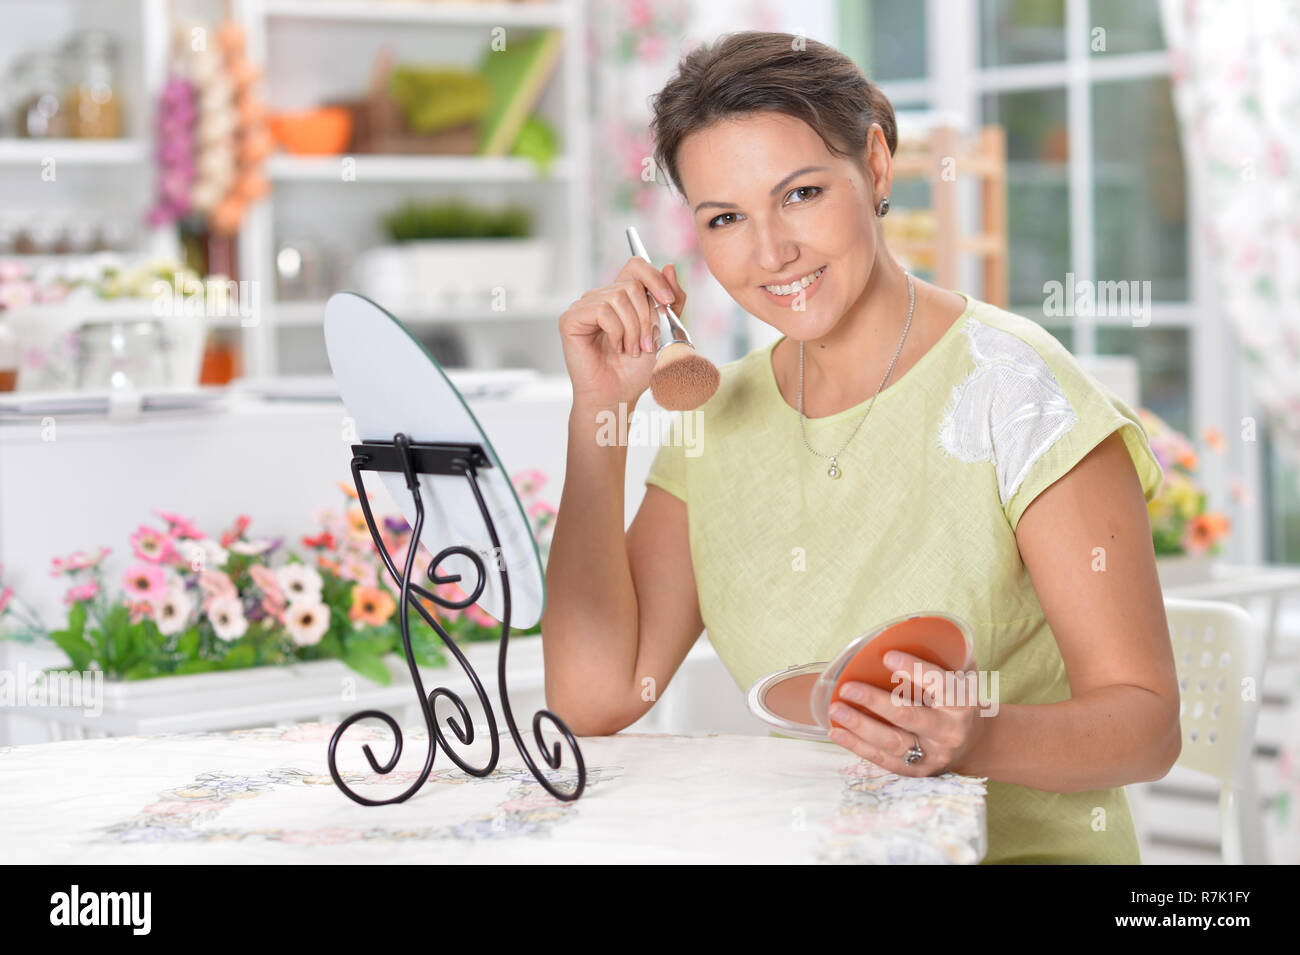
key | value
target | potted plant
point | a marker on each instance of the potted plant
(453, 254)
(229, 611)
(1185, 533)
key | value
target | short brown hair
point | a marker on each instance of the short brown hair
(751, 71)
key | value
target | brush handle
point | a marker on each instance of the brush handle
(671, 329)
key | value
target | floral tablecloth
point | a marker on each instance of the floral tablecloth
(265, 795)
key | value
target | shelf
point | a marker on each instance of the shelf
(108, 152)
(404, 11)
(974, 244)
(372, 168)
(306, 314)
(980, 160)
(923, 166)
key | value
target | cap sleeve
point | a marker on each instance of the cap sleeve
(668, 469)
(1047, 414)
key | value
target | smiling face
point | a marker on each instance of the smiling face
(774, 207)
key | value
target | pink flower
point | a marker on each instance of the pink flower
(528, 482)
(480, 617)
(11, 269)
(541, 511)
(17, 294)
(358, 571)
(650, 47)
(139, 609)
(216, 586)
(638, 13)
(144, 582)
(84, 591)
(152, 545)
(50, 294)
(5, 596)
(181, 527)
(274, 600)
(237, 531)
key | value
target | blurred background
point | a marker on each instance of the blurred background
(183, 183)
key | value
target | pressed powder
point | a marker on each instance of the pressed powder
(791, 699)
(797, 700)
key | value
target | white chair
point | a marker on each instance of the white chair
(1219, 657)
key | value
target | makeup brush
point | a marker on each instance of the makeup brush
(682, 379)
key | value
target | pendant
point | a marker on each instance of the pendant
(834, 470)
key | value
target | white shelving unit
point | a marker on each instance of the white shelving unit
(321, 51)
(60, 179)
(314, 52)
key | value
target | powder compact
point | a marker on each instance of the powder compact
(796, 701)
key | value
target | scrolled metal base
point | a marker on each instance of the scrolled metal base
(412, 459)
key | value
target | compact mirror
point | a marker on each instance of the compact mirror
(796, 701)
(389, 383)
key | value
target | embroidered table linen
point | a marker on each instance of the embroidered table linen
(265, 796)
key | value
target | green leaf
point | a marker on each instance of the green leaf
(141, 671)
(79, 652)
(241, 655)
(77, 620)
(187, 645)
(196, 666)
(368, 665)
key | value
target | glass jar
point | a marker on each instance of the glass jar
(38, 108)
(8, 355)
(122, 355)
(94, 99)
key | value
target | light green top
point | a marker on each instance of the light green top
(791, 565)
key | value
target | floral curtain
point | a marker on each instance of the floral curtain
(1236, 84)
(1236, 81)
(633, 48)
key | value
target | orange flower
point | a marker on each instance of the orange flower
(348, 489)
(357, 523)
(1219, 523)
(372, 606)
(1199, 536)
(1187, 460)
(324, 563)
(1214, 438)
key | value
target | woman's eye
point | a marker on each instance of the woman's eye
(816, 191)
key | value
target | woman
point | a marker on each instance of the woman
(900, 448)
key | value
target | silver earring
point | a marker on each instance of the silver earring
(883, 207)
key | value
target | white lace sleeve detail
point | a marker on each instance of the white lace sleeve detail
(1009, 408)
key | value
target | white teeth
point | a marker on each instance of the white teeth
(795, 286)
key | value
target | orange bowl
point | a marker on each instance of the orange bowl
(325, 131)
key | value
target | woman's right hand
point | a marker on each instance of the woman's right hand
(605, 334)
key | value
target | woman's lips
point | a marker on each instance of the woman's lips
(789, 300)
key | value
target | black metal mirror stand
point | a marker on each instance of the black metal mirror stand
(404, 456)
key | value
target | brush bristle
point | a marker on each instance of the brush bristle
(683, 379)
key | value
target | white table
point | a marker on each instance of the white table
(265, 796)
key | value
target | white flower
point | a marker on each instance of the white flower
(205, 554)
(174, 611)
(227, 616)
(251, 548)
(306, 621)
(299, 582)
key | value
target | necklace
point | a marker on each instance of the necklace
(835, 470)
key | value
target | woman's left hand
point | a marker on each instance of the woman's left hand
(947, 728)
